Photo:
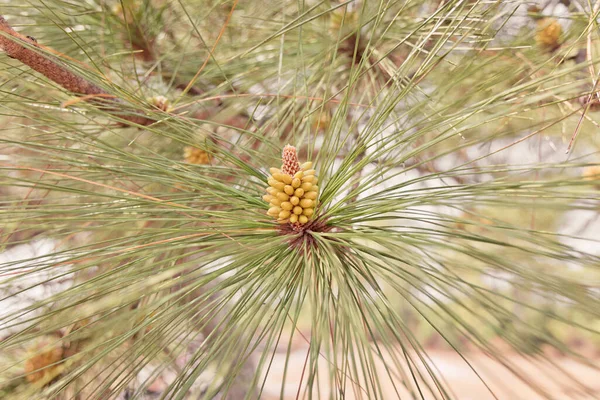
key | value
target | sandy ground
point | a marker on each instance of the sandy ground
(461, 379)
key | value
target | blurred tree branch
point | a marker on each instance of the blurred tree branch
(10, 42)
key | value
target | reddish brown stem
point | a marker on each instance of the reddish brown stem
(45, 65)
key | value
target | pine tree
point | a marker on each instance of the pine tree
(195, 192)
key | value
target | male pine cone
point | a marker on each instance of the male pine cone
(292, 192)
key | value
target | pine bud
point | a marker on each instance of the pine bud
(277, 185)
(310, 195)
(289, 190)
(592, 173)
(292, 191)
(548, 34)
(160, 102)
(282, 196)
(308, 211)
(42, 366)
(278, 177)
(307, 186)
(274, 211)
(284, 214)
(306, 203)
(194, 155)
(306, 166)
(283, 178)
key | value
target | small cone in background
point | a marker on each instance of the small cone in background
(548, 33)
(293, 191)
(161, 102)
(194, 155)
(592, 173)
(43, 365)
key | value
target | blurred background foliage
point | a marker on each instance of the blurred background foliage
(456, 144)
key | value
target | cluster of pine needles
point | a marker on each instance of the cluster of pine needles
(457, 152)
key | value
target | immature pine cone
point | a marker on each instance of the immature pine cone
(43, 367)
(548, 34)
(161, 102)
(194, 155)
(592, 173)
(293, 190)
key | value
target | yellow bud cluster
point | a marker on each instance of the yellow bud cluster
(193, 155)
(548, 33)
(161, 102)
(292, 198)
(592, 173)
(42, 365)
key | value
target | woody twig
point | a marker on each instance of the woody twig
(13, 45)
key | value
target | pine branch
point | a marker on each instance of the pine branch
(57, 73)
